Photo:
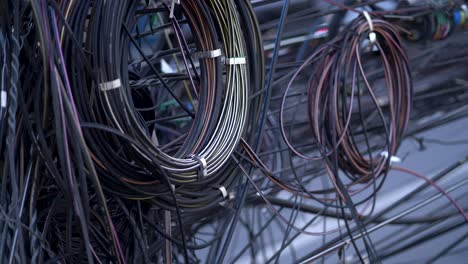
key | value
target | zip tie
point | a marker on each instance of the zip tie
(3, 99)
(107, 86)
(372, 35)
(393, 159)
(210, 54)
(347, 243)
(202, 171)
(171, 13)
(173, 187)
(235, 61)
(465, 8)
(223, 191)
(154, 138)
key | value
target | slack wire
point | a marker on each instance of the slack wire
(12, 122)
(449, 248)
(153, 69)
(431, 236)
(388, 246)
(452, 168)
(259, 132)
(354, 10)
(293, 129)
(390, 220)
(335, 140)
(426, 222)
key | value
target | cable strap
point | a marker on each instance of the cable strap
(107, 86)
(235, 61)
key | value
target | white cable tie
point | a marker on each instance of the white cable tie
(347, 242)
(171, 13)
(227, 196)
(154, 138)
(372, 35)
(464, 8)
(173, 187)
(3, 99)
(202, 162)
(223, 191)
(209, 54)
(107, 86)
(393, 159)
(235, 61)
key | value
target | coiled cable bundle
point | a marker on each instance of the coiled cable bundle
(199, 158)
(93, 144)
(331, 109)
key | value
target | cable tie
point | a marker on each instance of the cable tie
(227, 196)
(202, 171)
(223, 191)
(372, 35)
(465, 11)
(209, 54)
(171, 13)
(107, 86)
(235, 61)
(3, 99)
(393, 159)
(465, 8)
(173, 187)
(154, 138)
(347, 243)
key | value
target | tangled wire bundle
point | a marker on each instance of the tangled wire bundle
(336, 87)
